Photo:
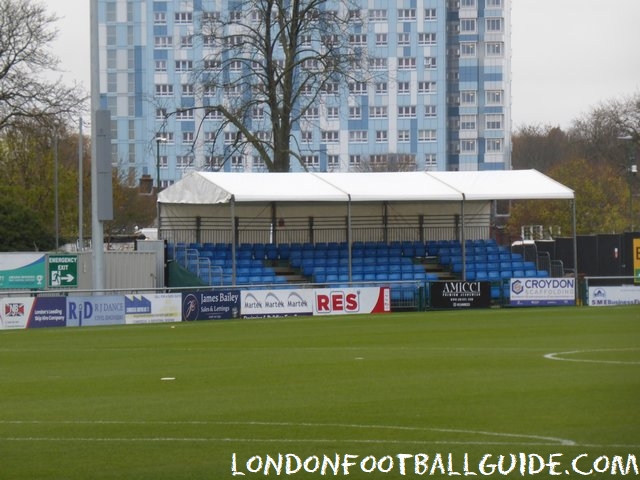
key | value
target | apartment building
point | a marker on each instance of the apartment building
(436, 95)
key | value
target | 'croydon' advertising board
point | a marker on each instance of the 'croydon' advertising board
(542, 291)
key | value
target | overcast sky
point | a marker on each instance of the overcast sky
(568, 56)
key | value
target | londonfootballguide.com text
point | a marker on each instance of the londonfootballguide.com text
(436, 464)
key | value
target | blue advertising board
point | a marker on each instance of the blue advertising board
(211, 305)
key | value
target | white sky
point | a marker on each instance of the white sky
(568, 55)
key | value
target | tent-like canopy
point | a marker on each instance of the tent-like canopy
(206, 188)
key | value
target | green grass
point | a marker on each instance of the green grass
(82, 403)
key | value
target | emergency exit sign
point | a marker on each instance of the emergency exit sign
(63, 271)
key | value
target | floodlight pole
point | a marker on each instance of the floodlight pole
(97, 231)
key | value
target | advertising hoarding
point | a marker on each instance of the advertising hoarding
(460, 294)
(542, 291)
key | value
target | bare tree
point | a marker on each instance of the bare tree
(272, 63)
(26, 32)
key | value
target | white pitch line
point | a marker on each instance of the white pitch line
(557, 356)
(535, 439)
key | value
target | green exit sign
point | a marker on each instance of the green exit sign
(63, 271)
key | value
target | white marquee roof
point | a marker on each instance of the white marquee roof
(204, 188)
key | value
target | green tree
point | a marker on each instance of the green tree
(21, 228)
(602, 196)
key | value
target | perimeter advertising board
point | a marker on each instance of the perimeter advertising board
(31, 312)
(345, 301)
(277, 303)
(95, 311)
(22, 271)
(460, 295)
(610, 296)
(542, 291)
(153, 308)
(211, 305)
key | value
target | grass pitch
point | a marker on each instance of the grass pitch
(180, 401)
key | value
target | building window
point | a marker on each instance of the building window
(164, 90)
(333, 162)
(378, 112)
(468, 122)
(188, 90)
(467, 25)
(430, 14)
(183, 65)
(358, 136)
(183, 17)
(430, 162)
(311, 112)
(382, 136)
(430, 62)
(330, 136)
(408, 111)
(468, 3)
(311, 162)
(381, 88)
(406, 63)
(493, 122)
(494, 25)
(162, 42)
(468, 97)
(426, 87)
(184, 161)
(404, 39)
(430, 111)
(381, 39)
(494, 3)
(406, 14)
(355, 161)
(358, 88)
(426, 38)
(232, 137)
(494, 97)
(333, 113)
(467, 49)
(494, 145)
(214, 162)
(404, 136)
(358, 39)
(404, 87)
(188, 137)
(378, 63)
(307, 136)
(427, 135)
(237, 163)
(495, 49)
(355, 113)
(159, 18)
(468, 146)
(378, 15)
(184, 114)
